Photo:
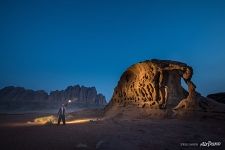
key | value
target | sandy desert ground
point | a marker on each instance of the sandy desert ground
(111, 134)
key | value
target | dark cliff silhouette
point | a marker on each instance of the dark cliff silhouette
(16, 97)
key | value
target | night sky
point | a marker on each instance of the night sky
(53, 44)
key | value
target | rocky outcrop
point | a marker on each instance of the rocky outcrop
(80, 94)
(153, 84)
(156, 84)
(18, 96)
(219, 97)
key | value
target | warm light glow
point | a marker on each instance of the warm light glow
(44, 120)
(53, 120)
(77, 121)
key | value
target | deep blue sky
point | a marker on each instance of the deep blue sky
(52, 44)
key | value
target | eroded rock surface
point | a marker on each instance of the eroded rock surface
(156, 84)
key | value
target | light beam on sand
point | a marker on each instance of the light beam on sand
(50, 120)
(77, 121)
(43, 120)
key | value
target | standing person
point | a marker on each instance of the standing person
(61, 114)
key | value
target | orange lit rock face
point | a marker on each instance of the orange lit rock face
(152, 89)
(153, 84)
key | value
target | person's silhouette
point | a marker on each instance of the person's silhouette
(61, 115)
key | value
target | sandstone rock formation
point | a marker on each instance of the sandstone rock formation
(83, 95)
(13, 97)
(16, 94)
(156, 84)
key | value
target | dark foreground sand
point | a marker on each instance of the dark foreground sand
(167, 134)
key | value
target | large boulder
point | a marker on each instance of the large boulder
(156, 85)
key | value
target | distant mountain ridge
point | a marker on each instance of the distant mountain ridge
(13, 97)
(219, 97)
